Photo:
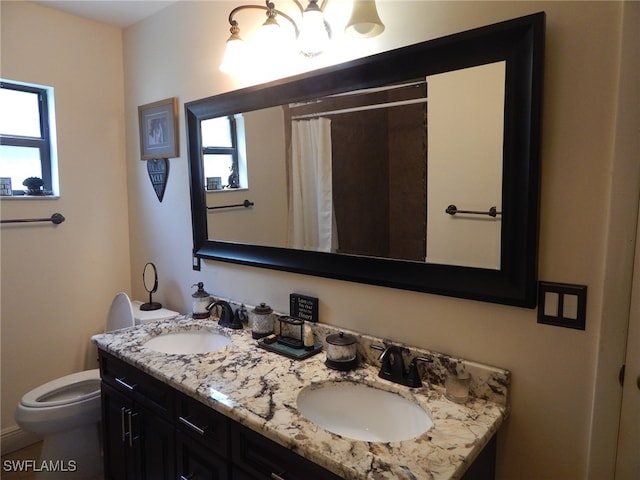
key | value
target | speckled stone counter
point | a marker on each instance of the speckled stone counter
(258, 389)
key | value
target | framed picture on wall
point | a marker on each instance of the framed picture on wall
(158, 129)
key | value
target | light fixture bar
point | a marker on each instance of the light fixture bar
(269, 7)
(302, 9)
(312, 33)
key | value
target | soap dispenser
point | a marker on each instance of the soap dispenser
(201, 300)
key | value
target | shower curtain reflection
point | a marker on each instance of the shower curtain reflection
(311, 216)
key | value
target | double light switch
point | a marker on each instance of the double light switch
(562, 304)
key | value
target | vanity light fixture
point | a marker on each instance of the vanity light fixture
(365, 21)
(315, 32)
(312, 35)
(312, 31)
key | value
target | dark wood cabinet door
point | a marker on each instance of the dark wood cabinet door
(118, 461)
(196, 462)
(265, 459)
(137, 444)
(156, 446)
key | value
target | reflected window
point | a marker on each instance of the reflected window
(26, 128)
(223, 151)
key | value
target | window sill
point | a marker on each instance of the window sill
(29, 197)
(228, 190)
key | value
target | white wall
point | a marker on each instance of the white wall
(58, 282)
(548, 433)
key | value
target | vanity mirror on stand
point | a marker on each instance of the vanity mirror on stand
(426, 179)
(150, 281)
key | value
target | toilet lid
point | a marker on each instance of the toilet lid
(120, 313)
(72, 388)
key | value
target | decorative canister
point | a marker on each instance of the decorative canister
(201, 300)
(261, 321)
(341, 351)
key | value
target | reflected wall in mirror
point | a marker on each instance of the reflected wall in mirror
(371, 150)
(352, 167)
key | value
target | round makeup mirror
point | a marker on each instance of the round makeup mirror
(150, 281)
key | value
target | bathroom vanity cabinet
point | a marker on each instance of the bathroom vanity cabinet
(154, 432)
(231, 414)
(207, 440)
(137, 414)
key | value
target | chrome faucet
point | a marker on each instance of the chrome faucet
(393, 368)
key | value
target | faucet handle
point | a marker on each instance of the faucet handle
(413, 376)
(380, 349)
(421, 359)
(387, 350)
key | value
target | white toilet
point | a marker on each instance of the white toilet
(66, 411)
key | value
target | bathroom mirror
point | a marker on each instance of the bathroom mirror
(393, 197)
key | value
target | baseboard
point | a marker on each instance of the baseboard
(14, 438)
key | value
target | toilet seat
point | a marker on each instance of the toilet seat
(120, 313)
(84, 386)
(74, 388)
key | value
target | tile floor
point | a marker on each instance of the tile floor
(31, 452)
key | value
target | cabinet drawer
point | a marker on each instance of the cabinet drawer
(155, 395)
(237, 474)
(262, 458)
(203, 424)
(197, 463)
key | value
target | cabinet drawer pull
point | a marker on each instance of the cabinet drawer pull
(282, 476)
(123, 411)
(182, 477)
(120, 381)
(131, 437)
(193, 427)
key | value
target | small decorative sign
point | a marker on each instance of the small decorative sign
(5, 186)
(303, 307)
(158, 169)
(214, 183)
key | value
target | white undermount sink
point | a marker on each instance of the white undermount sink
(361, 412)
(188, 342)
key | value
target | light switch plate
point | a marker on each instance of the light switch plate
(195, 263)
(562, 304)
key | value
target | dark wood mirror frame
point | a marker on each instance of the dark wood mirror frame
(520, 42)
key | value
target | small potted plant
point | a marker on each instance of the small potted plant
(34, 186)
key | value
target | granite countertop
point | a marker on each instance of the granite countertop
(258, 389)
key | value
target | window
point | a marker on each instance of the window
(223, 153)
(26, 127)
